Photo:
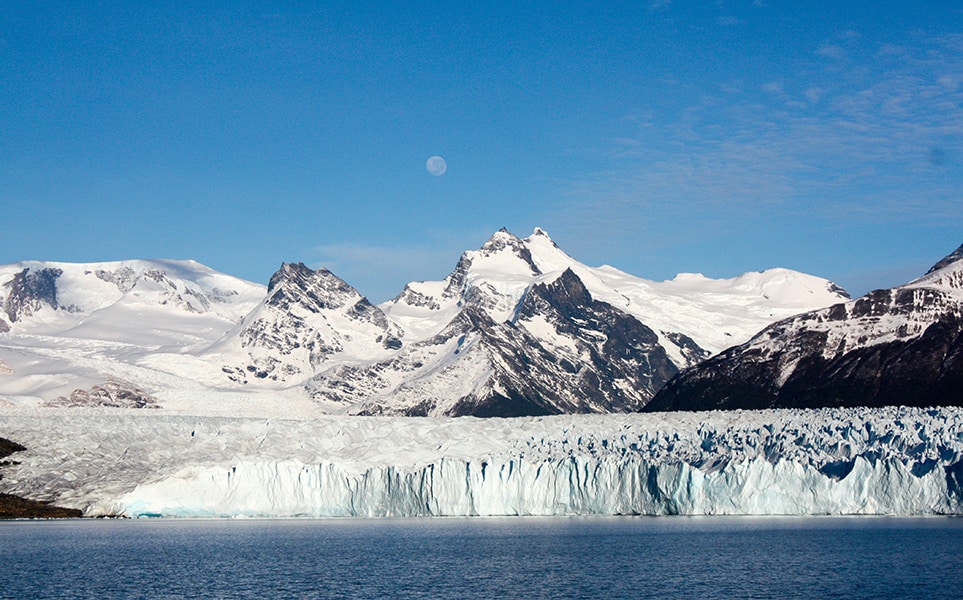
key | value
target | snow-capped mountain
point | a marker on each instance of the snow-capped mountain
(308, 318)
(562, 352)
(896, 346)
(712, 313)
(111, 300)
(521, 328)
(80, 332)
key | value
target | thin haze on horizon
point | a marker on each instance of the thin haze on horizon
(382, 140)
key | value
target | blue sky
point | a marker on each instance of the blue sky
(717, 137)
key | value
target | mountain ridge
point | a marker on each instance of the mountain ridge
(902, 345)
(518, 326)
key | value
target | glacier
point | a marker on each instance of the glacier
(905, 461)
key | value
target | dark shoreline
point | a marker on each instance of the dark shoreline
(15, 507)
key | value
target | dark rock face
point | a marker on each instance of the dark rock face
(29, 291)
(925, 371)
(691, 351)
(8, 447)
(124, 278)
(902, 346)
(295, 283)
(413, 298)
(949, 259)
(15, 507)
(623, 363)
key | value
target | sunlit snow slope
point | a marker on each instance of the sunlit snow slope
(66, 327)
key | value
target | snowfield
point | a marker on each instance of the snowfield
(150, 463)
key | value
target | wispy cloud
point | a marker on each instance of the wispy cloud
(775, 88)
(814, 94)
(728, 21)
(831, 51)
(879, 142)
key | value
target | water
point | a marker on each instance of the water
(673, 557)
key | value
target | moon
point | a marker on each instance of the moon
(436, 166)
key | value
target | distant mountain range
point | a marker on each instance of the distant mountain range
(518, 328)
(900, 346)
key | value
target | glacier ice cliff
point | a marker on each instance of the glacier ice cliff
(830, 461)
(573, 486)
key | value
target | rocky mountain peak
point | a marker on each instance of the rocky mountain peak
(838, 290)
(502, 240)
(470, 318)
(308, 317)
(295, 283)
(29, 291)
(504, 252)
(947, 260)
(946, 275)
(289, 272)
(564, 352)
(541, 234)
(565, 293)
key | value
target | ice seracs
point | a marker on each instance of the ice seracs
(898, 461)
(518, 328)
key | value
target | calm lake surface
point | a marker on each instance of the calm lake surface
(670, 557)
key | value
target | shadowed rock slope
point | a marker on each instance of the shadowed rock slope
(901, 346)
